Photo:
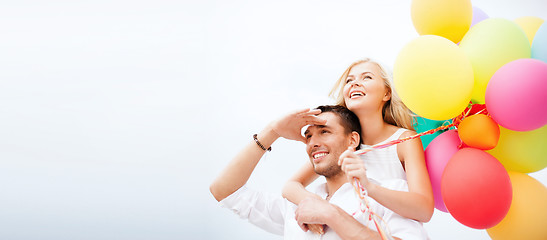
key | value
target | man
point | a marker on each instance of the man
(332, 131)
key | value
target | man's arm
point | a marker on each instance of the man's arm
(316, 211)
(238, 171)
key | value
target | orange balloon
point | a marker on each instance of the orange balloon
(479, 131)
(528, 212)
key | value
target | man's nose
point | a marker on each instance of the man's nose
(314, 142)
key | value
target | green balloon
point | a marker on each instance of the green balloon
(489, 45)
(422, 124)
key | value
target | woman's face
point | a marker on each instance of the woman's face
(365, 88)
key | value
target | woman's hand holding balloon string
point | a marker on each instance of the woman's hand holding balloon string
(354, 167)
(356, 173)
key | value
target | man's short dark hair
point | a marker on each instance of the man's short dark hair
(350, 121)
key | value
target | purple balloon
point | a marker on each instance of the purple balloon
(437, 155)
(478, 15)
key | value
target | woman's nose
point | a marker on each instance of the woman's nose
(355, 83)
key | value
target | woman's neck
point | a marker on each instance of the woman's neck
(373, 128)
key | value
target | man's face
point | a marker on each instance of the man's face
(325, 144)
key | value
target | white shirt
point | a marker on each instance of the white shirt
(277, 215)
(384, 163)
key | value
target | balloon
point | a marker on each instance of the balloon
(478, 109)
(423, 124)
(476, 188)
(437, 155)
(528, 212)
(448, 18)
(479, 131)
(516, 96)
(530, 25)
(489, 45)
(433, 77)
(539, 45)
(478, 15)
(522, 151)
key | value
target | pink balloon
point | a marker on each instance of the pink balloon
(437, 155)
(478, 15)
(516, 96)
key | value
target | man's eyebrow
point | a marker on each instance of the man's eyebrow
(318, 126)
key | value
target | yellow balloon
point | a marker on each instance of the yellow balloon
(433, 77)
(530, 25)
(527, 215)
(490, 44)
(447, 18)
(524, 152)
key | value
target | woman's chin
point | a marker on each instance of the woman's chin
(354, 105)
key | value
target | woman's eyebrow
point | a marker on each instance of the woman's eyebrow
(367, 73)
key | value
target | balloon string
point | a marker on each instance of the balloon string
(397, 141)
(455, 122)
(378, 221)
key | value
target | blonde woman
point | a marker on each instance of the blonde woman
(366, 89)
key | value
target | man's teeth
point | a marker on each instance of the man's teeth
(319, 155)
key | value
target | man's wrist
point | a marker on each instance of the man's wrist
(267, 137)
(332, 214)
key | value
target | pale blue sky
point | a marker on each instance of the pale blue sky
(116, 115)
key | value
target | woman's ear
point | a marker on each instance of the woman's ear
(387, 96)
(355, 140)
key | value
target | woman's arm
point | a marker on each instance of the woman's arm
(420, 194)
(295, 189)
(418, 202)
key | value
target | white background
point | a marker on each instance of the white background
(115, 116)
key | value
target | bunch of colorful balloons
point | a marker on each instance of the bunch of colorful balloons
(463, 58)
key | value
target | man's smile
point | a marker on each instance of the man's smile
(319, 155)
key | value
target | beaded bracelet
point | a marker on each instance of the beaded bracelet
(260, 144)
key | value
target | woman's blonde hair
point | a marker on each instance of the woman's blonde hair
(394, 110)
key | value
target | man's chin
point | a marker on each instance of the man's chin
(319, 170)
(327, 171)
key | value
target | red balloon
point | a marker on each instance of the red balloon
(478, 109)
(476, 188)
